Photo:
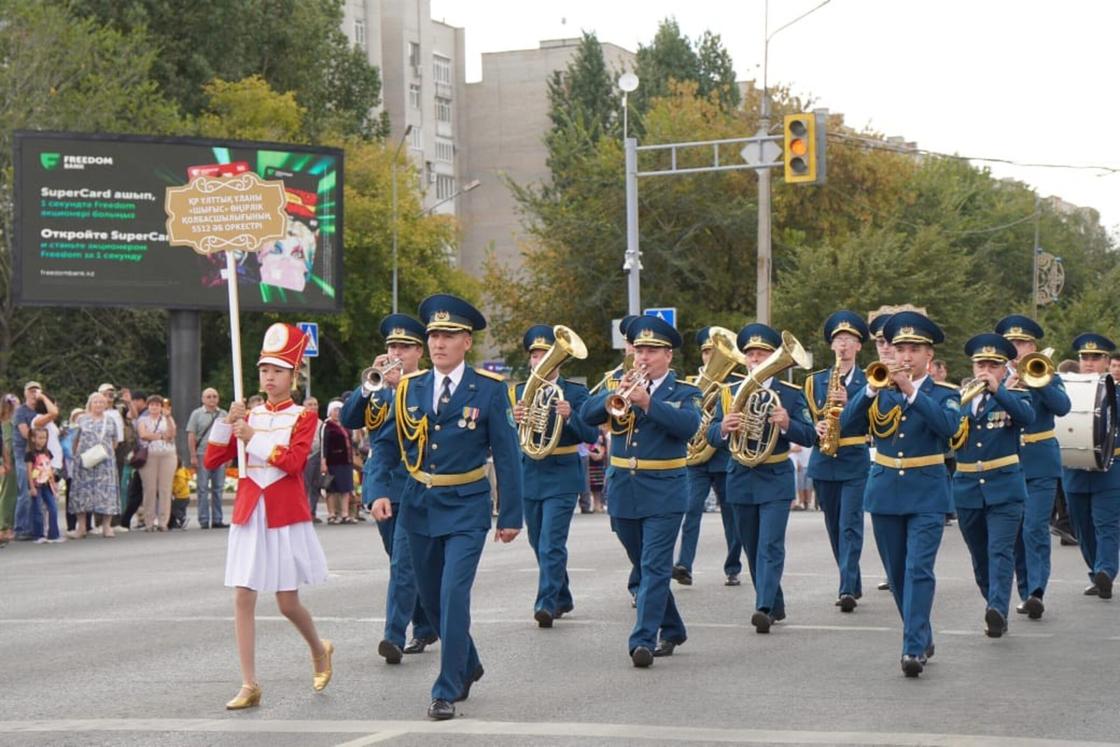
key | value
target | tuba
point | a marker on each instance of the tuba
(725, 357)
(539, 433)
(757, 403)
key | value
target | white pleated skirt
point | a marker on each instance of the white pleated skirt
(277, 559)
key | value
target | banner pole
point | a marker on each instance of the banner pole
(235, 345)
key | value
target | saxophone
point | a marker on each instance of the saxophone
(830, 413)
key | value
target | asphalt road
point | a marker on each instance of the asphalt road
(130, 641)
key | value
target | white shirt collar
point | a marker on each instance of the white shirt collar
(657, 382)
(456, 376)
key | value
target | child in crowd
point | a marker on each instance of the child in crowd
(42, 488)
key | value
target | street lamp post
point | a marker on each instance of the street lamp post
(457, 193)
(396, 157)
(632, 264)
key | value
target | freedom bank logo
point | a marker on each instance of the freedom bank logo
(51, 161)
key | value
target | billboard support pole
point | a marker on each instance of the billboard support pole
(184, 334)
(235, 345)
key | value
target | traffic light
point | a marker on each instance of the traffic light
(804, 148)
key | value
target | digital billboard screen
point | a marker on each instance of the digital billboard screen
(90, 226)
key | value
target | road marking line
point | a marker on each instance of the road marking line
(377, 731)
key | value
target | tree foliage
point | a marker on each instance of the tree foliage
(673, 58)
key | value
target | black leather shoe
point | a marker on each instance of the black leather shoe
(1104, 585)
(1033, 607)
(911, 665)
(543, 618)
(761, 622)
(778, 616)
(732, 580)
(219, 525)
(476, 675)
(562, 611)
(884, 586)
(389, 651)
(995, 622)
(1092, 590)
(682, 575)
(930, 650)
(441, 710)
(665, 648)
(417, 645)
(634, 601)
(641, 656)
(847, 602)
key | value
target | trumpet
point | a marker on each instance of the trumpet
(971, 389)
(618, 404)
(1036, 370)
(373, 378)
(879, 374)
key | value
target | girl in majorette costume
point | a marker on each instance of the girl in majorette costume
(272, 545)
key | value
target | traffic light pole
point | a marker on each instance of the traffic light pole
(762, 297)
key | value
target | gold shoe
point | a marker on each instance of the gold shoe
(320, 679)
(251, 699)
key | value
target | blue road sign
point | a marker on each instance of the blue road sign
(311, 329)
(668, 314)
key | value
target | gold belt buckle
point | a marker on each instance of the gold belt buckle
(979, 466)
(632, 462)
(428, 479)
(897, 463)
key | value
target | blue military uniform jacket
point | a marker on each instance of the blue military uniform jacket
(1091, 481)
(562, 473)
(924, 429)
(1044, 458)
(660, 434)
(371, 411)
(850, 461)
(992, 434)
(451, 446)
(768, 481)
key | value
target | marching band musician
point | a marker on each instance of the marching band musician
(911, 419)
(760, 496)
(647, 490)
(989, 486)
(369, 409)
(551, 486)
(447, 421)
(702, 478)
(840, 479)
(1041, 461)
(1094, 497)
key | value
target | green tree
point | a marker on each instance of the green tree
(582, 106)
(669, 57)
(294, 45)
(61, 73)
(716, 71)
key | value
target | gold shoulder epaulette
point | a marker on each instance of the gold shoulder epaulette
(1017, 389)
(947, 385)
(489, 375)
(415, 373)
(814, 373)
(790, 384)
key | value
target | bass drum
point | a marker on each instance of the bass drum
(1087, 435)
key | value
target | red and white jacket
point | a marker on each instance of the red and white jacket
(275, 458)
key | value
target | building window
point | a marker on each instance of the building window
(414, 57)
(441, 69)
(445, 150)
(414, 95)
(443, 109)
(445, 186)
(416, 137)
(360, 33)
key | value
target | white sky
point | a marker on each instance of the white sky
(995, 78)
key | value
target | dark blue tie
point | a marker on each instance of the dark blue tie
(444, 395)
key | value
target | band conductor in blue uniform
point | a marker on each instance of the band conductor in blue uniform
(447, 421)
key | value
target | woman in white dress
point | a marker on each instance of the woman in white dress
(272, 544)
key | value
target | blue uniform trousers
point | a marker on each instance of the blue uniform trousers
(908, 546)
(547, 522)
(1032, 544)
(1096, 520)
(842, 505)
(989, 533)
(446, 567)
(649, 544)
(699, 483)
(401, 600)
(762, 530)
(733, 563)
